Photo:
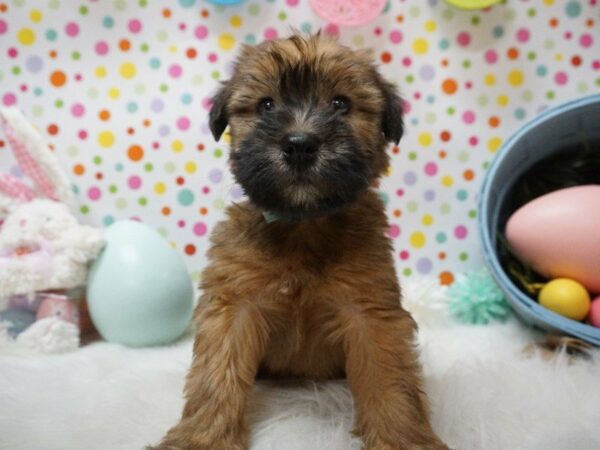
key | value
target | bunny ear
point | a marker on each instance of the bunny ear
(14, 188)
(34, 157)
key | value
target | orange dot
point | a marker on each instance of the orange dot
(512, 53)
(444, 62)
(3, 7)
(445, 136)
(166, 210)
(200, 147)
(52, 129)
(494, 121)
(203, 211)
(399, 18)
(99, 176)
(130, 130)
(397, 213)
(1, 143)
(442, 255)
(469, 174)
(386, 57)
(449, 86)
(446, 278)
(166, 13)
(58, 78)
(52, 53)
(395, 149)
(589, 23)
(135, 153)
(204, 13)
(191, 53)
(104, 115)
(442, 154)
(576, 60)
(124, 45)
(554, 22)
(147, 122)
(190, 249)
(78, 169)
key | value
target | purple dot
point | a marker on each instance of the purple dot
(396, 36)
(429, 195)
(394, 231)
(561, 78)
(523, 35)
(201, 32)
(199, 228)
(236, 192)
(134, 26)
(463, 38)
(3, 27)
(94, 193)
(175, 70)
(72, 29)
(215, 175)
(410, 178)
(586, 40)
(271, 34)
(78, 110)
(164, 130)
(468, 117)
(427, 72)
(34, 64)
(134, 182)
(460, 232)
(431, 169)
(491, 56)
(424, 266)
(183, 123)
(9, 99)
(101, 48)
(157, 105)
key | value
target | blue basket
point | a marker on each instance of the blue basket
(548, 134)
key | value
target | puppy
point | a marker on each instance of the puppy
(301, 279)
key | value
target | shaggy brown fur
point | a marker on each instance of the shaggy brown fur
(316, 297)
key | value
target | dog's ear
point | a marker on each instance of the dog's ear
(218, 117)
(391, 120)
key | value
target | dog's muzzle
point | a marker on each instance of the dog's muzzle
(300, 150)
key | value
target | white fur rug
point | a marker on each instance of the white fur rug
(485, 396)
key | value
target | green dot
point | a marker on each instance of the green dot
(219, 204)
(148, 167)
(472, 213)
(215, 75)
(59, 104)
(97, 160)
(451, 110)
(582, 87)
(410, 78)
(466, 64)
(407, 272)
(414, 11)
(531, 56)
(463, 256)
(485, 165)
(16, 70)
(143, 3)
(76, 56)
(463, 156)
(597, 81)
(482, 100)
(358, 40)
(440, 237)
(139, 89)
(185, 197)
(448, 14)
(412, 156)
(445, 208)
(475, 20)
(218, 153)
(112, 189)
(84, 209)
(54, 4)
(197, 80)
(550, 95)
(83, 10)
(430, 117)
(162, 35)
(121, 203)
(164, 88)
(144, 47)
(253, 9)
(72, 150)
(169, 167)
(143, 201)
(573, 9)
(37, 110)
(282, 15)
(120, 5)
(163, 232)
(548, 44)
(412, 207)
(531, 12)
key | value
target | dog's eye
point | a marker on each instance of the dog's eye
(341, 104)
(266, 104)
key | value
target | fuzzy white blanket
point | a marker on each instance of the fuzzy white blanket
(485, 396)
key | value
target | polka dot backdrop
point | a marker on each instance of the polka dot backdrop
(121, 90)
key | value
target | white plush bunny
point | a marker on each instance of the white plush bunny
(42, 246)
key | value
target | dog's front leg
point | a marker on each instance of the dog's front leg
(385, 378)
(229, 346)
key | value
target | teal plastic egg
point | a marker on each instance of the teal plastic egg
(139, 291)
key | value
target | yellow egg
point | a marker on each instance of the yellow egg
(565, 297)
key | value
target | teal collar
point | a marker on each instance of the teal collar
(270, 216)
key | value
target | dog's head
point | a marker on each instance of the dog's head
(310, 120)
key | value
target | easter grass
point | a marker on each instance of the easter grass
(574, 166)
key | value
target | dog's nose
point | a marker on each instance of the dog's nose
(300, 144)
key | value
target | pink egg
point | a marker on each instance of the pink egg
(594, 314)
(557, 234)
(59, 307)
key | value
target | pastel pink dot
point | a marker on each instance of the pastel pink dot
(9, 99)
(491, 56)
(175, 70)
(468, 117)
(134, 182)
(12, 52)
(523, 35)
(568, 35)
(183, 123)
(473, 140)
(394, 231)
(201, 31)
(463, 38)
(72, 29)
(292, 2)
(212, 57)
(94, 193)
(181, 223)
(101, 48)
(78, 110)
(460, 232)
(3, 27)
(82, 134)
(596, 64)
(586, 40)
(431, 168)
(404, 255)
(207, 103)
(377, 31)
(78, 77)
(406, 106)
(406, 61)
(200, 228)
(400, 192)
(270, 34)
(332, 30)
(396, 36)
(134, 26)
(561, 78)
(206, 190)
